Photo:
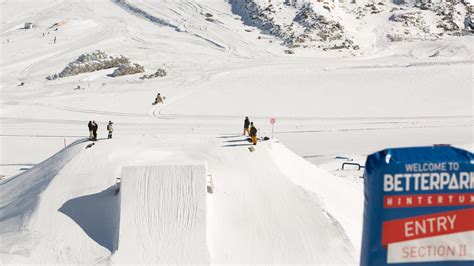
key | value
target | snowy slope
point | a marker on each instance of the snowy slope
(20, 194)
(268, 218)
(328, 188)
(160, 213)
(270, 206)
(46, 190)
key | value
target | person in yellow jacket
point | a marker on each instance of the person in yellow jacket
(253, 133)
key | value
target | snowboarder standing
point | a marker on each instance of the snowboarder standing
(110, 129)
(95, 127)
(91, 135)
(246, 125)
(253, 133)
(54, 39)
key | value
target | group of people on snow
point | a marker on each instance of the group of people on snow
(249, 127)
(93, 127)
(251, 130)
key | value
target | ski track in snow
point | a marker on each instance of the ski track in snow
(107, 30)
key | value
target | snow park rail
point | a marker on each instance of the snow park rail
(163, 215)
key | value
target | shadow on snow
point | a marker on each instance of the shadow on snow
(98, 215)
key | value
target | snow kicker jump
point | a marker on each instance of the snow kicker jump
(163, 215)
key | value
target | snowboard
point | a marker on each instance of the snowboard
(90, 145)
(155, 103)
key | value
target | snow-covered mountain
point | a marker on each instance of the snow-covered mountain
(341, 79)
(341, 24)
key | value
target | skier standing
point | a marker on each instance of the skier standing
(91, 135)
(95, 127)
(253, 134)
(110, 129)
(246, 125)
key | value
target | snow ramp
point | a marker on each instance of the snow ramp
(258, 215)
(163, 215)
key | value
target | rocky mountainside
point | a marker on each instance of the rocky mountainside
(338, 24)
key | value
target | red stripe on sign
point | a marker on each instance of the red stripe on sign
(429, 200)
(427, 225)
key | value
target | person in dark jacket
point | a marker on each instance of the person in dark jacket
(110, 129)
(253, 134)
(246, 125)
(95, 127)
(91, 136)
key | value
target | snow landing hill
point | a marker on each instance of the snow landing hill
(342, 78)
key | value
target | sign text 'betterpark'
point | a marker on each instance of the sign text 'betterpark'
(419, 207)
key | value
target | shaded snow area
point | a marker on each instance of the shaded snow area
(178, 182)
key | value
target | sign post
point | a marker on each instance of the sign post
(272, 122)
(419, 207)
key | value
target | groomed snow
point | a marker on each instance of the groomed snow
(271, 206)
(163, 215)
(256, 214)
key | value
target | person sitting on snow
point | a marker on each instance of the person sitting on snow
(158, 99)
(253, 134)
(110, 129)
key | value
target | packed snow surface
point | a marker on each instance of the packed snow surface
(256, 214)
(342, 79)
(163, 215)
